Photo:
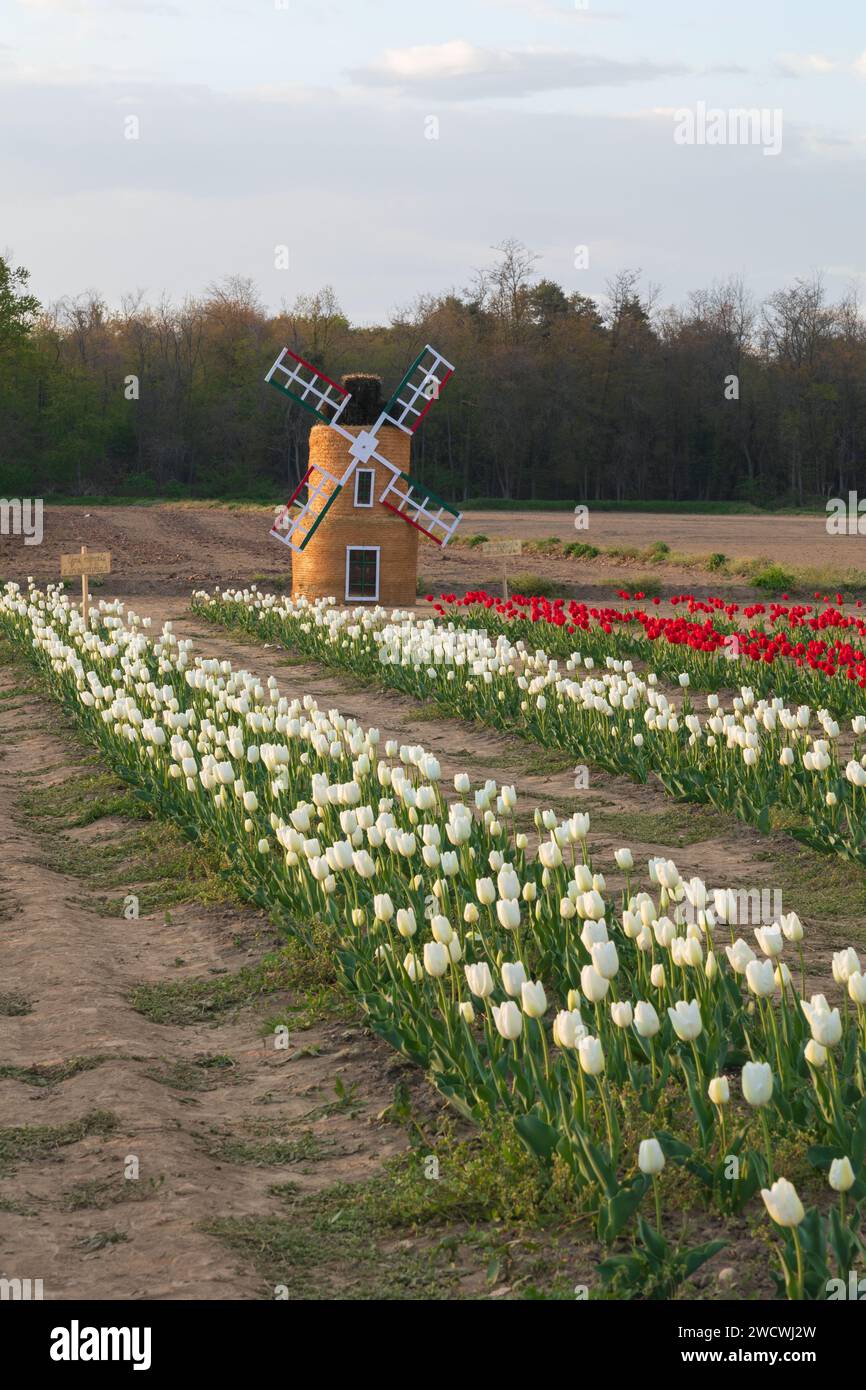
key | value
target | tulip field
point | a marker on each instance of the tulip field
(615, 1014)
(742, 753)
(813, 653)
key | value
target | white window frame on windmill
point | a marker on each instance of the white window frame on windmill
(371, 474)
(364, 598)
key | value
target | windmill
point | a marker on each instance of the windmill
(303, 383)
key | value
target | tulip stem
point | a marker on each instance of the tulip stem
(544, 1049)
(658, 1200)
(766, 1128)
(799, 1249)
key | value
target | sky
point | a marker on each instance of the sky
(385, 147)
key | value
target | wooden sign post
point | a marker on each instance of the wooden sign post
(87, 562)
(503, 547)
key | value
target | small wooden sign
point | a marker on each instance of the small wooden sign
(85, 563)
(502, 546)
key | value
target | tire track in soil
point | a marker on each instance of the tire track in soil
(77, 967)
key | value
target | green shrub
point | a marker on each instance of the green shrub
(774, 579)
(474, 541)
(642, 584)
(658, 550)
(579, 550)
(530, 584)
(717, 561)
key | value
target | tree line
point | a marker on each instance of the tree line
(556, 396)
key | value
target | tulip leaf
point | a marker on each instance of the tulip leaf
(701, 1253)
(614, 1214)
(858, 1139)
(821, 1155)
(652, 1239)
(540, 1138)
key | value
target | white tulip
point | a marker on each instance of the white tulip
(406, 924)
(508, 1020)
(815, 1054)
(857, 987)
(686, 1020)
(594, 986)
(770, 940)
(485, 891)
(441, 929)
(757, 1082)
(568, 1028)
(508, 913)
(825, 1023)
(783, 1204)
(719, 1091)
(761, 978)
(435, 959)
(845, 964)
(622, 1014)
(479, 979)
(646, 1020)
(841, 1175)
(533, 998)
(591, 1056)
(740, 955)
(650, 1158)
(513, 977)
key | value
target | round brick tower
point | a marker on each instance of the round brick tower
(361, 552)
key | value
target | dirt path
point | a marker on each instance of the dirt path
(176, 1098)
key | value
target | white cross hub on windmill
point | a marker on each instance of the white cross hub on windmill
(327, 400)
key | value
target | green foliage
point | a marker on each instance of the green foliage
(633, 418)
(579, 550)
(774, 579)
(654, 1269)
(528, 583)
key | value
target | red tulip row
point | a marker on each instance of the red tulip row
(811, 653)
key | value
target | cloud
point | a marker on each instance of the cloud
(368, 203)
(548, 9)
(817, 65)
(465, 71)
(103, 7)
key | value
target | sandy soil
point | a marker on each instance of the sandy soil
(169, 549)
(76, 968)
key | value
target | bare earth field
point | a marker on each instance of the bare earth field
(169, 549)
(153, 1038)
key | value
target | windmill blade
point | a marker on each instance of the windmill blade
(307, 386)
(419, 506)
(420, 387)
(296, 528)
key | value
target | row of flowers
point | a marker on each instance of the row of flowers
(623, 1029)
(801, 652)
(754, 756)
